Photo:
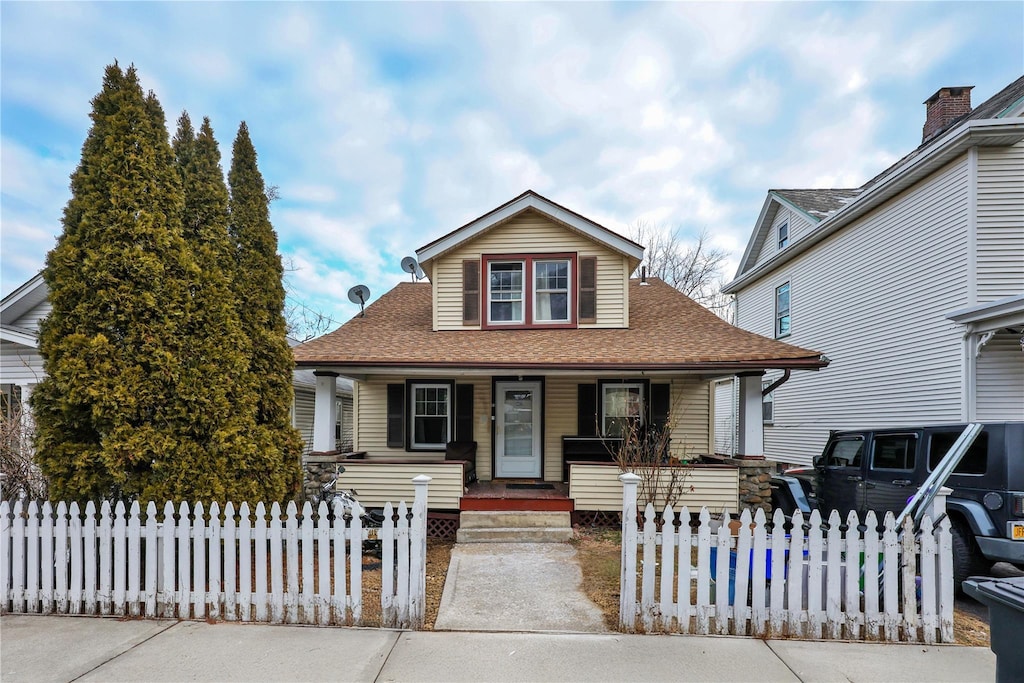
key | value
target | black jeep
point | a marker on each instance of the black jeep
(880, 469)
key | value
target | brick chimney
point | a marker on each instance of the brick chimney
(944, 107)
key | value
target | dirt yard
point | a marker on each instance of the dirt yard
(599, 553)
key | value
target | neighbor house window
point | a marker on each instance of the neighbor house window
(783, 235)
(622, 408)
(431, 415)
(506, 292)
(782, 310)
(767, 404)
(551, 301)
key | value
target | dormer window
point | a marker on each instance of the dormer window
(783, 235)
(529, 290)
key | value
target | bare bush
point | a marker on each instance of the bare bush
(19, 474)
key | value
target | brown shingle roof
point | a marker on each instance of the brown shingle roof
(667, 331)
(820, 203)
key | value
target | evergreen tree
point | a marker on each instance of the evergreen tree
(107, 410)
(260, 293)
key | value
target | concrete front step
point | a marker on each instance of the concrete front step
(510, 526)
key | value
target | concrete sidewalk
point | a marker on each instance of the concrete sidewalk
(38, 648)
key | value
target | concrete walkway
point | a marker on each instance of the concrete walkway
(516, 587)
(38, 648)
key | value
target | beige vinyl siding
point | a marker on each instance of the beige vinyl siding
(799, 226)
(531, 233)
(597, 487)
(872, 297)
(1000, 379)
(691, 418)
(560, 419)
(371, 412)
(378, 483)
(1000, 229)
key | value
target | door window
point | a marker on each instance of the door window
(894, 452)
(845, 453)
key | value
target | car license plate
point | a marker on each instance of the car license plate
(1017, 531)
(371, 534)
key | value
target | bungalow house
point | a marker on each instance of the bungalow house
(21, 366)
(913, 282)
(524, 357)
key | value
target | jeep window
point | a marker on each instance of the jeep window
(894, 452)
(845, 453)
(975, 461)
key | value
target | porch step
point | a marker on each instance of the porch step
(513, 527)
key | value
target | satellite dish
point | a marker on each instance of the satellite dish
(359, 294)
(410, 266)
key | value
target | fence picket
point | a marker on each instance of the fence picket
(133, 590)
(909, 580)
(389, 617)
(168, 546)
(928, 593)
(795, 586)
(418, 553)
(184, 598)
(703, 572)
(291, 527)
(683, 585)
(245, 562)
(815, 555)
(77, 565)
(339, 600)
(18, 559)
(741, 605)
(650, 550)
(308, 553)
(46, 559)
(777, 594)
(627, 576)
(668, 556)
(852, 574)
(277, 596)
(872, 617)
(199, 560)
(323, 550)
(356, 563)
(945, 581)
(759, 603)
(151, 587)
(120, 542)
(722, 576)
(230, 585)
(213, 572)
(32, 558)
(89, 553)
(890, 578)
(259, 534)
(6, 531)
(105, 530)
(833, 578)
(402, 595)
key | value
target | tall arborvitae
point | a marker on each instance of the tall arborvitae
(260, 293)
(107, 412)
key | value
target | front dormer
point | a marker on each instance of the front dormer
(530, 264)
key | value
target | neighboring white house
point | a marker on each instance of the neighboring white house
(912, 285)
(21, 366)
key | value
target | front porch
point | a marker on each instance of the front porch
(525, 495)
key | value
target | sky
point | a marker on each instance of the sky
(386, 125)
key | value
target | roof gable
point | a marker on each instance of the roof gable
(530, 200)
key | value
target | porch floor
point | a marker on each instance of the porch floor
(499, 495)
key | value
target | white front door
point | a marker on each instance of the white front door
(517, 429)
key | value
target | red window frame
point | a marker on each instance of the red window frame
(528, 293)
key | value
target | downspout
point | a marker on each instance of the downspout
(777, 383)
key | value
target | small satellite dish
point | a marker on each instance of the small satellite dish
(410, 266)
(359, 294)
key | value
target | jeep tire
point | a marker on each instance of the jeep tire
(967, 559)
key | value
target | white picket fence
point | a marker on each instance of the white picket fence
(822, 582)
(192, 564)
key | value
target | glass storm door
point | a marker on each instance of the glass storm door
(517, 429)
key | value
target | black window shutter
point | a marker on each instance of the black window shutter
(660, 404)
(586, 410)
(463, 412)
(396, 416)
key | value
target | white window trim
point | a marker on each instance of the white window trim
(789, 311)
(622, 385)
(779, 237)
(522, 293)
(567, 290)
(413, 444)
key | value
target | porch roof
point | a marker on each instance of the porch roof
(668, 331)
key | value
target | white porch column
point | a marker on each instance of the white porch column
(325, 411)
(751, 423)
(26, 410)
